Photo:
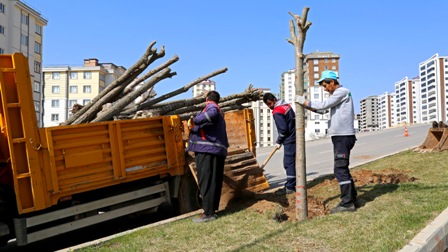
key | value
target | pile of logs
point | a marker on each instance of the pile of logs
(117, 100)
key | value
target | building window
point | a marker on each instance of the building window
(55, 117)
(85, 101)
(2, 51)
(333, 67)
(87, 75)
(71, 103)
(36, 67)
(2, 29)
(24, 40)
(25, 19)
(102, 77)
(316, 69)
(316, 61)
(38, 29)
(86, 89)
(2, 8)
(316, 76)
(55, 89)
(55, 103)
(73, 75)
(36, 86)
(316, 96)
(36, 106)
(73, 89)
(316, 117)
(37, 48)
(55, 75)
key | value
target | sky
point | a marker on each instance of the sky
(379, 42)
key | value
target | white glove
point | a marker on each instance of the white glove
(190, 123)
(278, 146)
(300, 99)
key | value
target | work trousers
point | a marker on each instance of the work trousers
(210, 169)
(289, 163)
(342, 146)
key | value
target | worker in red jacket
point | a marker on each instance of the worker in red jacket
(285, 121)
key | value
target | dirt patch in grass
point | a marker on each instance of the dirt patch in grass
(283, 208)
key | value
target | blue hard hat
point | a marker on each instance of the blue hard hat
(327, 74)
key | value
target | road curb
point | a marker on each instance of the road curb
(433, 237)
(98, 241)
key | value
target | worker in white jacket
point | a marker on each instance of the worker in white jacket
(342, 132)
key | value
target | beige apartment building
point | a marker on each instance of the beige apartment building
(65, 86)
(21, 30)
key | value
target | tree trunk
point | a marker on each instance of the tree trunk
(179, 91)
(127, 77)
(117, 107)
(298, 40)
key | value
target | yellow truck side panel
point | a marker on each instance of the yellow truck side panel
(90, 156)
(76, 158)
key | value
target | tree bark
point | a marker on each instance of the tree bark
(117, 107)
(178, 91)
(298, 40)
(128, 76)
(117, 92)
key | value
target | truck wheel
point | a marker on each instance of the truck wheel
(189, 199)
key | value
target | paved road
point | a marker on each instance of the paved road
(319, 153)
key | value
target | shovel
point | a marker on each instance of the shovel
(270, 155)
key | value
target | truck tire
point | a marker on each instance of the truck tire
(189, 197)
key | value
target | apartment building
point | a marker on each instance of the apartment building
(203, 87)
(314, 63)
(416, 99)
(22, 30)
(433, 74)
(265, 129)
(385, 112)
(65, 86)
(369, 114)
(404, 112)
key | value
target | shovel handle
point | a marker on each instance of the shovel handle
(269, 157)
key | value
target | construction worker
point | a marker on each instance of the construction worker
(285, 120)
(208, 140)
(342, 132)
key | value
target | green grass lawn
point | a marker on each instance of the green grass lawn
(391, 215)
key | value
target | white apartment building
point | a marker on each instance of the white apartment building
(65, 86)
(265, 129)
(416, 100)
(385, 110)
(203, 87)
(21, 30)
(433, 74)
(316, 124)
(404, 102)
(314, 63)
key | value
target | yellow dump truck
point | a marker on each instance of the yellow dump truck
(57, 179)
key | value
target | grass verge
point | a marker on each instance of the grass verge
(391, 215)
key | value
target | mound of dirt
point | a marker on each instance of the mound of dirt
(283, 208)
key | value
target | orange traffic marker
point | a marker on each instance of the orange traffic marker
(406, 132)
